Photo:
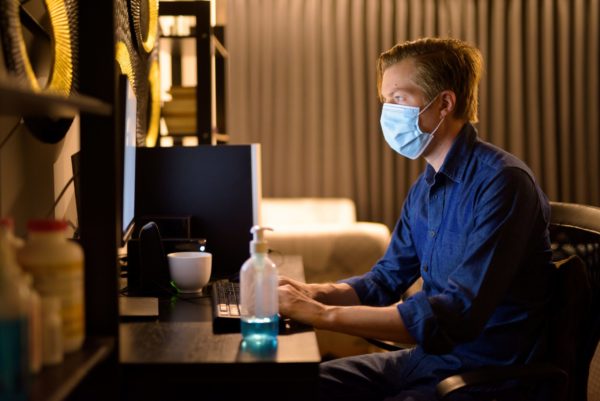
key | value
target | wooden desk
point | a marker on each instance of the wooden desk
(179, 357)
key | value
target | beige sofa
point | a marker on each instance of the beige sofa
(333, 245)
(324, 231)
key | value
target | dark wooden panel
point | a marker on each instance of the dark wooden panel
(15, 100)
(55, 383)
(179, 357)
(98, 170)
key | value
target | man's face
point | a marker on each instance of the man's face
(398, 86)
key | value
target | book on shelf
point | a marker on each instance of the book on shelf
(180, 112)
(181, 125)
(177, 107)
(181, 92)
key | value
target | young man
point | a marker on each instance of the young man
(474, 226)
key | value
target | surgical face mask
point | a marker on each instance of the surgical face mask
(400, 125)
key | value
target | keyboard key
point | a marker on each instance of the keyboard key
(226, 308)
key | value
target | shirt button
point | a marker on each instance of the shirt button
(425, 268)
(432, 233)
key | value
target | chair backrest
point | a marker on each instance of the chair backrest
(575, 230)
(569, 320)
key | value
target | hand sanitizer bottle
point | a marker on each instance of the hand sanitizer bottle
(258, 293)
(14, 338)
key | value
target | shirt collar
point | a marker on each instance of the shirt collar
(457, 158)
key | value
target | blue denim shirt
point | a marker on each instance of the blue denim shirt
(477, 232)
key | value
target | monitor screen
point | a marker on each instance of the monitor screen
(129, 124)
(126, 120)
(219, 187)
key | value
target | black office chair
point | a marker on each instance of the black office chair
(575, 326)
(575, 230)
(575, 235)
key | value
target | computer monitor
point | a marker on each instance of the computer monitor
(219, 187)
(126, 117)
(127, 121)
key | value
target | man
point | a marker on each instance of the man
(474, 226)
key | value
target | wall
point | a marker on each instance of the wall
(302, 82)
(32, 173)
(221, 12)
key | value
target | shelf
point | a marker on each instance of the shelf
(55, 383)
(192, 36)
(15, 100)
(174, 42)
(220, 137)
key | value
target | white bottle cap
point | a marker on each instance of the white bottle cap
(258, 244)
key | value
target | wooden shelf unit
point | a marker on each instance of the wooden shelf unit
(97, 361)
(56, 383)
(200, 10)
(15, 100)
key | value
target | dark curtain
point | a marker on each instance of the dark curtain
(302, 83)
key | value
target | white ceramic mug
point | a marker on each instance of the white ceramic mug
(190, 270)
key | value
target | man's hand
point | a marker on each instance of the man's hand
(298, 285)
(326, 293)
(336, 307)
(295, 301)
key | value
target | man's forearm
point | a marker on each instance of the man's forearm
(336, 307)
(334, 294)
(383, 323)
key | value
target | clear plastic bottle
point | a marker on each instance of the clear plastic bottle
(52, 331)
(57, 268)
(34, 309)
(14, 338)
(35, 325)
(15, 242)
(258, 293)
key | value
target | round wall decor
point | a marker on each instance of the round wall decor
(144, 15)
(124, 61)
(153, 103)
(62, 78)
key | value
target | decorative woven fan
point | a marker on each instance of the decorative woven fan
(153, 102)
(137, 56)
(124, 61)
(62, 79)
(144, 16)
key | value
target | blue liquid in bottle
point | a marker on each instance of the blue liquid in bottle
(260, 334)
(14, 360)
(261, 331)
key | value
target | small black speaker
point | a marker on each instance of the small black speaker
(147, 264)
(169, 226)
(151, 273)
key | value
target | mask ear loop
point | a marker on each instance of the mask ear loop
(437, 126)
(428, 104)
(441, 120)
(424, 109)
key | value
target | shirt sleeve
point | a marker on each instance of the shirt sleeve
(506, 213)
(394, 272)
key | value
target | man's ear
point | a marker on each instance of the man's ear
(448, 103)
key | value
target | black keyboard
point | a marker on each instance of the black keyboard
(226, 306)
(225, 298)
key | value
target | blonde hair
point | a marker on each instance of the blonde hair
(442, 64)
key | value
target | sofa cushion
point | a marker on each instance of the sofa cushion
(333, 245)
(299, 212)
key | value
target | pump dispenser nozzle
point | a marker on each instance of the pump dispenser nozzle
(258, 243)
(258, 296)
